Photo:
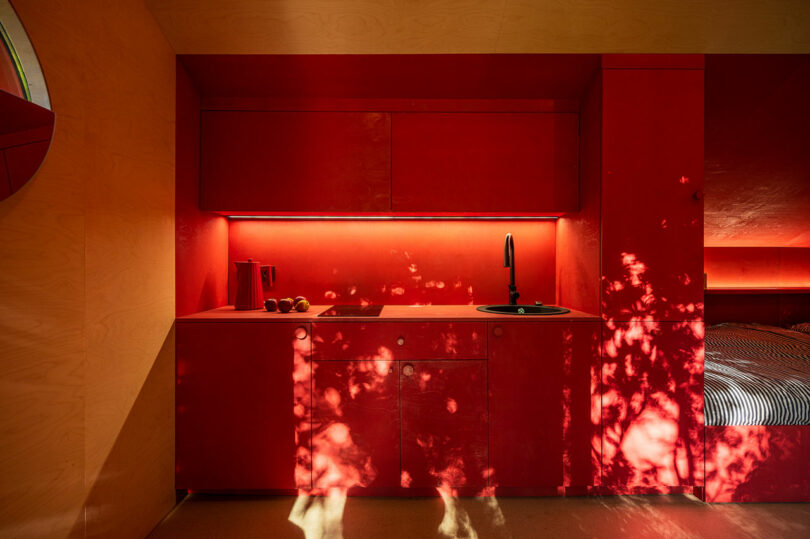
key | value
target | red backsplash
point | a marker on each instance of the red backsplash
(398, 262)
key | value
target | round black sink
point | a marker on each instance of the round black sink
(523, 309)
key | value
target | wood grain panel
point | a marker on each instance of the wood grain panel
(87, 285)
(453, 26)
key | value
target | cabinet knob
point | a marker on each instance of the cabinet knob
(401, 341)
(407, 370)
(301, 333)
(498, 331)
(698, 195)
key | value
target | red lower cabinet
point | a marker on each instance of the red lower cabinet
(542, 426)
(444, 423)
(242, 406)
(355, 424)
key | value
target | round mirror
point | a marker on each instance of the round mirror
(26, 119)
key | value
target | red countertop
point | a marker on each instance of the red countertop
(390, 313)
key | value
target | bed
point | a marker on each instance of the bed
(757, 413)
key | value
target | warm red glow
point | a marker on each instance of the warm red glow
(399, 262)
(757, 267)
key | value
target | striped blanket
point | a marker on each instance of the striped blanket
(756, 375)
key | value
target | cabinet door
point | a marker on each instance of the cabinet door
(295, 161)
(485, 162)
(444, 423)
(242, 406)
(652, 411)
(652, 179)
(541, 424)
(355, 424)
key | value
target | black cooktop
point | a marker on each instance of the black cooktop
(353, 310)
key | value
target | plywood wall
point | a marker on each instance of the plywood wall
(483, 26)
(87, 284)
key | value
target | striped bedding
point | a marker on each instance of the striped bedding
(756, 375)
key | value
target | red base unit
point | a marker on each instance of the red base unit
(236, 423)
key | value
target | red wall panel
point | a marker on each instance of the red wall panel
(488, 162)
(295, 161)
(652, 181)
(398, 262)
(201, 238)
(757, 140)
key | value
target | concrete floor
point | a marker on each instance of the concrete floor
(560, 518)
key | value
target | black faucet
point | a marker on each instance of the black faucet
(509, 262)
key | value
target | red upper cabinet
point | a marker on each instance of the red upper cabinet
(242, 402)
(652, 183)
(256, 161)
(485, 162)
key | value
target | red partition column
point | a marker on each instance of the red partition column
(652, 266)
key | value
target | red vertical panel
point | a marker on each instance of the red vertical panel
(579, 233)
(201, 238)
(652, 405)
(295, 161)
(652, 181)
(236, 424)
(355, 424)
(444, 423)
(495, 162)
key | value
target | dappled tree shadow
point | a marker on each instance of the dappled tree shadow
(652, 388)
(757, 463)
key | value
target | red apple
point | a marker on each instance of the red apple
(285, 305)
(271, 305)
(302, 306)
(298, 298)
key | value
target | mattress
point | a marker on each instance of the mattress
(756, 375)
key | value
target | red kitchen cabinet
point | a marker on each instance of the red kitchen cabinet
(485, 162)
(652, 185)
(444, 423)
(259, 161)
(242, 418)
(399, 340)
(355, 424)
(652, 405)
(541, 420)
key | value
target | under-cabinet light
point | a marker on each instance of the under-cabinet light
(396, 217)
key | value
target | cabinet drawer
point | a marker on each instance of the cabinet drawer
(399, 341)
